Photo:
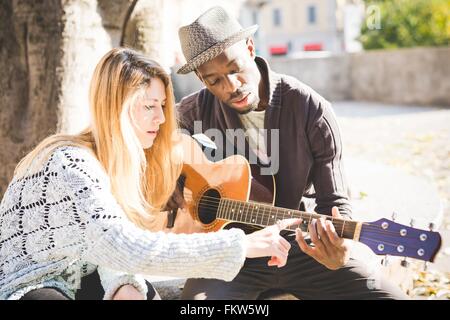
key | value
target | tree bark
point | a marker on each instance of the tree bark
(30, 61)
(48, 51)
(145, 30)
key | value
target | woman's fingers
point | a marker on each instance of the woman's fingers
(279, 251)
(285, 223)
(271, 243)
(273, 261)
(285, 244)
(279, 257)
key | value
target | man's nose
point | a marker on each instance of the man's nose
(233, 82)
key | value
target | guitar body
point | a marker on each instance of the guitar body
(232, 178)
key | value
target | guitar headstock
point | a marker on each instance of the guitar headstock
(386, 237)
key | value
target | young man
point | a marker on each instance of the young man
(302, 149)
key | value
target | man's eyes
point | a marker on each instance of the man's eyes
(213, 82)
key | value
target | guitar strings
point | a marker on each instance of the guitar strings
(385, 242)
(406, 247)
(216, 201)
(211, 204)
(264, 214)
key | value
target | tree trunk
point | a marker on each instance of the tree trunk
(30, 61)
(48, 51)
(146, 30)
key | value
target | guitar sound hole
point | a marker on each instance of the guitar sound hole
(208, 205)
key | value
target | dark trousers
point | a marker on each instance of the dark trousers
(91, 289)
(302, 277)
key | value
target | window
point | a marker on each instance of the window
(276, 17)
(311, 14)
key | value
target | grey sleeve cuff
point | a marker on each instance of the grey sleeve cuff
(112, 280)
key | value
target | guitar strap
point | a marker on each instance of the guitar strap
(172, 214)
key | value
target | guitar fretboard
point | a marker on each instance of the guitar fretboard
(265, 215)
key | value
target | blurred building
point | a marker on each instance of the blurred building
(298, 26)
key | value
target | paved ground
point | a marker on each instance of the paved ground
(413, 142)
(398, 159)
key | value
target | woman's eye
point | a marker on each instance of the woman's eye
(148, 107)
(213, 83)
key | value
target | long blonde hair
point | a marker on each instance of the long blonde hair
(141, 180)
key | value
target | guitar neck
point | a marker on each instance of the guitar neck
(264, 215)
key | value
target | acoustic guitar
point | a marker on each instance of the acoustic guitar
(231, 193)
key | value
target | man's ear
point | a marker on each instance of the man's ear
(251, 47)
(198, 75)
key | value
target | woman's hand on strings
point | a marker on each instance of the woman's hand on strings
(268, 243)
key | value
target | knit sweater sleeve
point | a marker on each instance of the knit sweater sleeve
(110, 240)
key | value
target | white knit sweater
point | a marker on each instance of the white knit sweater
(62, 222)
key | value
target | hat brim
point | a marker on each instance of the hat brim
(216, 49)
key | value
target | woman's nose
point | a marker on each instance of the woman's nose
(159, 117)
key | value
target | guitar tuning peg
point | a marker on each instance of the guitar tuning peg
(385, 261)
(404, 263)
(412, 222)
(394, 215)
(431, 226)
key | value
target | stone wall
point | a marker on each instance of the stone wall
(329, 76)
(406, 76)
(417, 76)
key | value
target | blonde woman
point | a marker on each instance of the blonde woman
(84, 203)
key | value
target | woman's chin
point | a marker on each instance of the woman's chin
(147, 144)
